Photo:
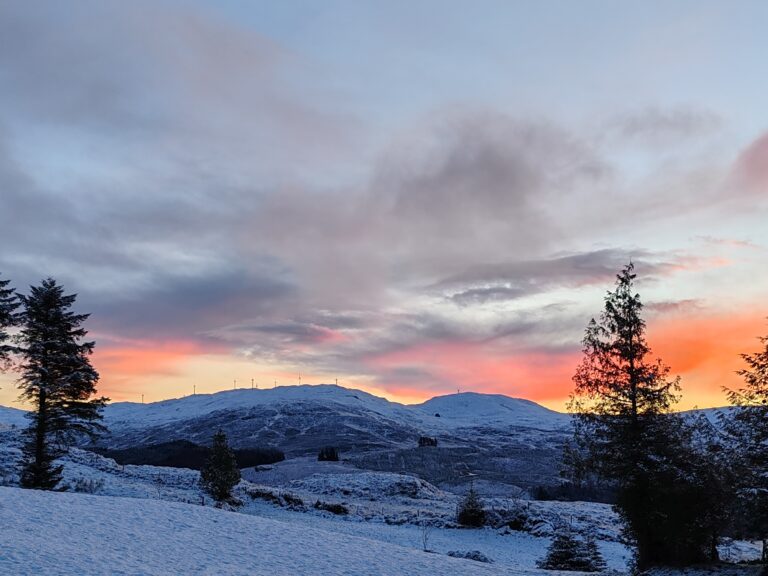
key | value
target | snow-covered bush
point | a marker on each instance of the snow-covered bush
(86, 485)
(338, 509)
(475, 555)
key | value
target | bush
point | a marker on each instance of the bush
(292, 500)
(328, 454)
(267, 495)
(475, 555)
(427, 441)
(338, 509)
(87, 485)
(571, 554)
(471, 512)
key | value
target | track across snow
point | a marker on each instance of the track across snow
(76, 534)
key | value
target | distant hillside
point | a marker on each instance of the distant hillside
(12, 417)
(468, 409)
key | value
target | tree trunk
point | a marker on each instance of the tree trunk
(42, 422)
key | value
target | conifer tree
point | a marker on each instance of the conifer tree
(624, 432)
(566, 552)
(594, 558)
(220, 473)
(747, 425)
(9, 303)
(57, 379)
(471, 511)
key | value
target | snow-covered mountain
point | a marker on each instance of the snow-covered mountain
(468, 409)
(509, 440)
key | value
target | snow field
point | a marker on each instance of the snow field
(65, 533)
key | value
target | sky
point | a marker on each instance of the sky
(412, 198)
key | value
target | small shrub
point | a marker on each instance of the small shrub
(338, 509)
(328, 454)
(87, 485)
(266, 495)
(292, 500)
(427, 441)
(475, 555)
(471, 512)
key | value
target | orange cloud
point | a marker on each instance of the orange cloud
(536, 375)
(144, 358)
(705, 350)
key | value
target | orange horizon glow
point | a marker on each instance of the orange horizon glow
(703, 348)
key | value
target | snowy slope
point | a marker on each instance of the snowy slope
(12, 417)
(202, 404)
(470, 409)
(456, 410)
(62, 533)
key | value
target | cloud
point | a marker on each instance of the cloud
(751, 167)
(654, 126)
(202, 188)
(513, 280)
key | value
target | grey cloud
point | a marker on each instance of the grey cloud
(674, 306)
(654, 126)
(517, 279)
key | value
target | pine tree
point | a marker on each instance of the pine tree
(624, 431)
(57, 379)
(471, 511)
(747, 425)
(220, 473)
(594, 558)
(566, 552)
(9, 303)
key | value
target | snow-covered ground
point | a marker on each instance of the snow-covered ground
(64, 533)
(386, 509)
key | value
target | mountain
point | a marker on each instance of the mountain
(12, 417)
(468, 409)
(506, 440)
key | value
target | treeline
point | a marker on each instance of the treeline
(186, 454)
(679, 481)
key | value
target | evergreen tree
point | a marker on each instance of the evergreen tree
(566, 552)
(57, 379)
(594, 558)
(220, 473)
(625, 433)
(471, 511)
(9, 303)
(747, 425)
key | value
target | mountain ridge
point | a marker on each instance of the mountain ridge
(465, 409)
